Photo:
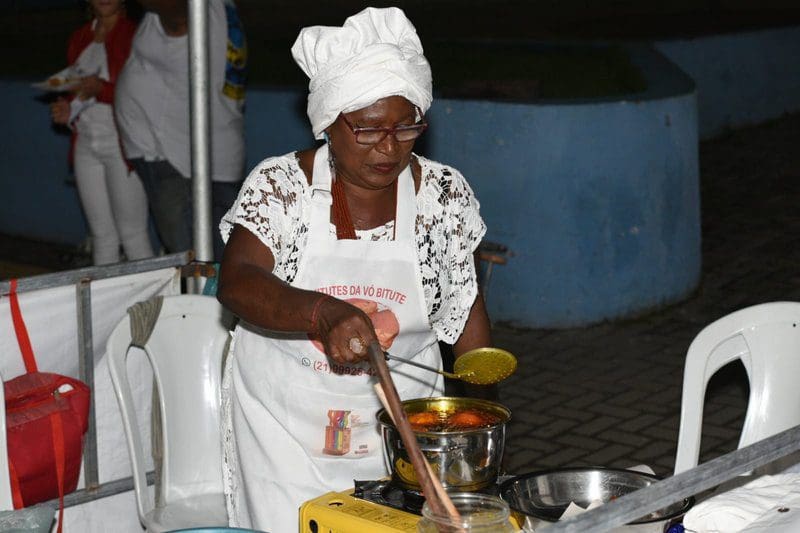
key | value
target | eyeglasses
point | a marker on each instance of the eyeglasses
(377, 135)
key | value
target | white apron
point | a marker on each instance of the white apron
(302, 424)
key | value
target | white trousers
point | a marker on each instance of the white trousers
(113, 201)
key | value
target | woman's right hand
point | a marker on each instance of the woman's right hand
(59, 111)
(344, 329)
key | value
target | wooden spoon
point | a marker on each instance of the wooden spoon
(438, 500)
(437, 484)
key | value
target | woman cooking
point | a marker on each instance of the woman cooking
(329, 249)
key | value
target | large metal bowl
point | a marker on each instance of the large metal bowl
(546, 495)
(466, 460)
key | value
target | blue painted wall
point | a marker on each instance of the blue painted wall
(37, 200)
(275, 123)
(742, 78)
(598, 201)
(599, 204)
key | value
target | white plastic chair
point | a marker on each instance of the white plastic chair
(766, 338)
(6, 501)
(185, 351)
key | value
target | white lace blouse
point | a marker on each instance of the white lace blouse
(274, 204)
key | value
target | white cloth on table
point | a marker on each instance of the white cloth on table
(274, 204)
(375, 54)
(761, 502)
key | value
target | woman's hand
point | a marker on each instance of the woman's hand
(89, 87)
(59, 111)
(344, 329)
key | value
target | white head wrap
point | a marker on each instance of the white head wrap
(375, 54)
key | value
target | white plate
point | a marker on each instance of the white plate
(64, 80)
(56, 84)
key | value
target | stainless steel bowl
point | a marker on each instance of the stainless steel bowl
(466, 460)
(546, 495)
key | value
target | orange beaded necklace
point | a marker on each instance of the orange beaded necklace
(341, 212)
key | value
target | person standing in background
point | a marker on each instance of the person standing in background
(152, 110)
(112, 198)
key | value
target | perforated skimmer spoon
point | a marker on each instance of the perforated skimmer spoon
(481, 366)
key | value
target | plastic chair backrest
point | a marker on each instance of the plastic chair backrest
(6, 501)
(766, 338)
(185, 351)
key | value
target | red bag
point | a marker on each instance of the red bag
(46, 418)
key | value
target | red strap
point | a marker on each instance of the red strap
(22, 332)
(58, 450)
(16, 493)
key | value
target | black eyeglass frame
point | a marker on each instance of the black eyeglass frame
(417, 127)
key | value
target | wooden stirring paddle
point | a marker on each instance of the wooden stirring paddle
(432, 489)
(437, 484)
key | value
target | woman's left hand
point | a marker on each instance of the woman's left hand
(89, 87)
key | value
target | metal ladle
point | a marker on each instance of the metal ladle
(481, 366)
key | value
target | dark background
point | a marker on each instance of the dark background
(33, 33)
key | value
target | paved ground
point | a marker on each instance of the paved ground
(610, 394)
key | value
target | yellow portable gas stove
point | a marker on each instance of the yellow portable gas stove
(341, 512)
(380, 506)
(372, 506)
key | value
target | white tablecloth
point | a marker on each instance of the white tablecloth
(767, 503)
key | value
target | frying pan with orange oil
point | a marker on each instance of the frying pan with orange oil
(481, 366)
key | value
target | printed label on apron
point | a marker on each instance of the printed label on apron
(336, 425)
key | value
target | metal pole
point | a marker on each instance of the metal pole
(86, 371)
(200, 124)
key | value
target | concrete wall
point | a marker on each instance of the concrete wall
(741, 78)
(597, 200)
(38, 200)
